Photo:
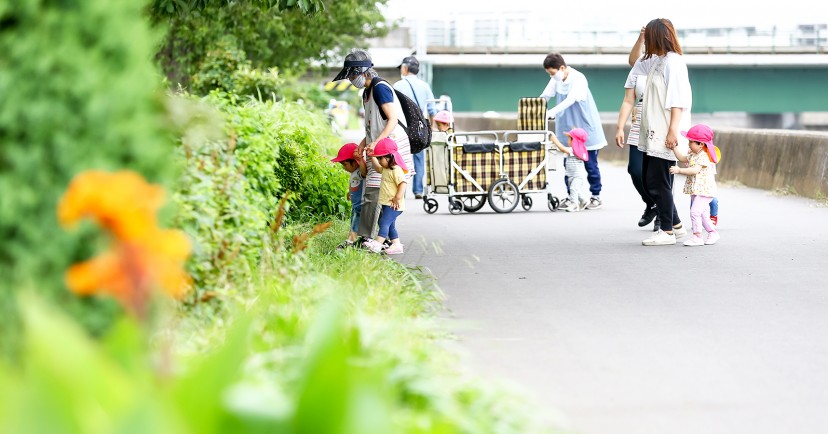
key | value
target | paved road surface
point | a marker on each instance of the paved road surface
(621, 338)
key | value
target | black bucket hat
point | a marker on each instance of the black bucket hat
(353, 67)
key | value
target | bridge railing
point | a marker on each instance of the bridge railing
(509, 33)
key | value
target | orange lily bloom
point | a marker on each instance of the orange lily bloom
(142, 255)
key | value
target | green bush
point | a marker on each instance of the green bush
(238, 160)
(226, 69)
(79, 92)
(283, 147)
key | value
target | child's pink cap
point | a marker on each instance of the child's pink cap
(577, 134)
(346, 152)
(444, 116)
(387, 146)
(703, 134)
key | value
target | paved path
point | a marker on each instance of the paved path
(622, 338)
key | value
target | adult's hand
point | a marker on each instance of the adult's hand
(672, 140)
(619, 138)
(370, 148)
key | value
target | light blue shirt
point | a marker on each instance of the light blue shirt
(574, 107)
(419, 88)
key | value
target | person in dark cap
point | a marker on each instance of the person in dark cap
(419, 91)
(384, 118)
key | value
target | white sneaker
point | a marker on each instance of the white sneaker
(694, 241)
(594, 203)
(679, 232)
(564, 204)
(372, 246)
(660, 238)
(572, 207)
(712, 238)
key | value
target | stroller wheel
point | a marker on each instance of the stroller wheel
(553, 203)
(455, 206)
(526, 203)
(504, 196)
(473, 203)
(430, 206)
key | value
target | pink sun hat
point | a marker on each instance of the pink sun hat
(444, 116)
(387, 146)
(579, 137)
(703, 134)
(346, 152)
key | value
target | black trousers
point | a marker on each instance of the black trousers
(658, 182)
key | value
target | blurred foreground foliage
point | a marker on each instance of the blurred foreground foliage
(79, 92)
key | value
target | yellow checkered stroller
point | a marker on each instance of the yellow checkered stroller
(499, 167)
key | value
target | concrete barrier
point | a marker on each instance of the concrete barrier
(796, 161)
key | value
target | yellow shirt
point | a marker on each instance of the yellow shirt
(391, 179)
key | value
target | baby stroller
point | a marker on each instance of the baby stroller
(499, 167)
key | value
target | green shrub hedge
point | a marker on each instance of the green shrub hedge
(234, 179)
(79, 92)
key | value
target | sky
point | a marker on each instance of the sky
(620, 15)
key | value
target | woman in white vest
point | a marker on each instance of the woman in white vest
(383, 118)
(666, 108)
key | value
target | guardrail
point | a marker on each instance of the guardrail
(521, 33)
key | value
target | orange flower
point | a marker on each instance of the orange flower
(142, 255)
(121, 202)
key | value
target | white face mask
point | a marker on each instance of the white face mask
(359, 82)
(559, 76)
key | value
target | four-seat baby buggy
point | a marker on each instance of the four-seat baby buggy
(499, 167)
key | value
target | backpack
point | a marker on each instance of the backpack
(418, 129)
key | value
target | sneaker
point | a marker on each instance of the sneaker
(657, 224)
(649, 214)
(565, 204)
(394, 249)
(694, 241)
(660, 238)
(418, 196)
(594, 203)
(679, 231)
(572, 206)
(712, 238)
(345, 244)
(715, 220)
(372, 245)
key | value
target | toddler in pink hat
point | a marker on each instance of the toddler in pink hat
(574, 169)
(387, 160)
(443, 120)
(352, 162)
(700, 183)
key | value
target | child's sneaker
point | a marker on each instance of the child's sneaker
(565, 204)
(372, 245)
(572, 206)
(394, 249)
(694, 241)
(712, 238)
(345, 244)
(715, 220)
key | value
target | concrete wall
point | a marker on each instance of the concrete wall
(766, 159)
